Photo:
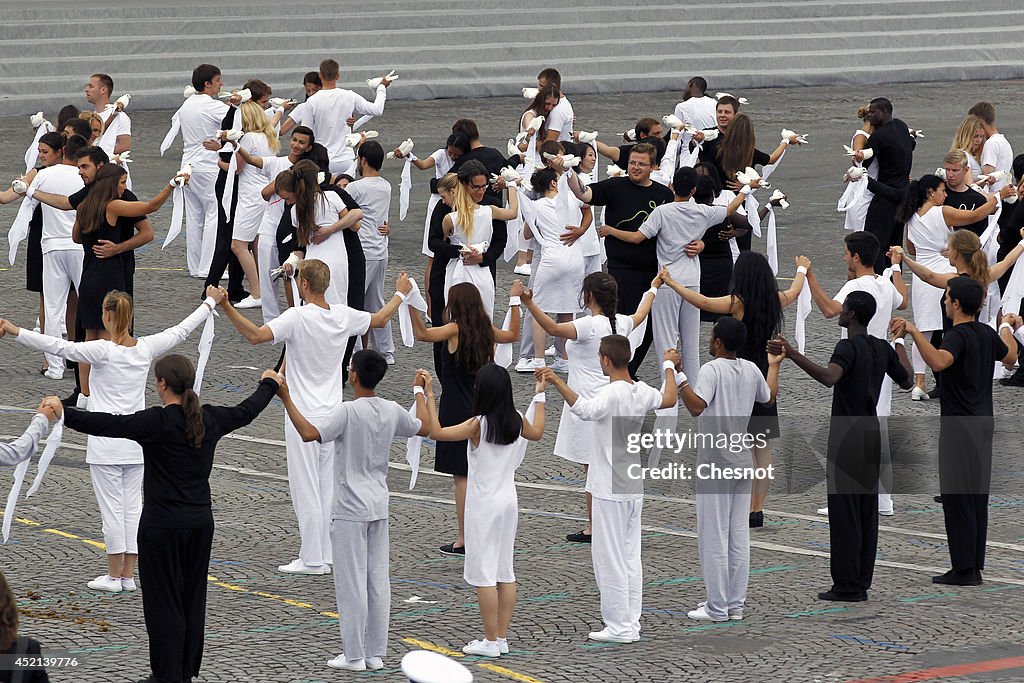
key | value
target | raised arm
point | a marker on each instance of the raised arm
(608, 151)
(228, 419)
(306, 429)
(555, 329)
(799, 280)
(248, 158)
(723, 305)
(25, 445)
(255, 335)
(376, 108)
(92, 352)
(827, 375)
(646, 301)
(584, 194)
(499, 213)
(533, 431)
(956, 218)
(123, 209)
(57, 201)
(939, 280)
(162, 342)
(431, 334)
(464, 431)
(828, 306)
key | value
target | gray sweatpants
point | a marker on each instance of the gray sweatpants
(723, 539)
(382, 341)
(362, 585)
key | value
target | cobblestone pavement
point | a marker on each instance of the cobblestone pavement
(266, 626)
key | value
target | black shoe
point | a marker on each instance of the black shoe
(1014, 380)
(832, 596)
(453, 550)
(579, 537)
(937, 499)
(969, 577)
(934, 394)
(71, 401)
(756, 519)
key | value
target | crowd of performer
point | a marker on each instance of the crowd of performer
(644, 256)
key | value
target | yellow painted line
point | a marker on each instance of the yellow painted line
(427, 645)
(96, 544)
(28, 521)
(333, 615)
(61, 533)
(509, 673)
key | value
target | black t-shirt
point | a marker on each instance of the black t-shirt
(865, 361)
(492, 160)
(125, 224)
(967, 383)
(32, 649)
(894, 153)
(629, 205)
(968, 200)
(624, 151)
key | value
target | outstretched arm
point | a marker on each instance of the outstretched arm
(304, 427)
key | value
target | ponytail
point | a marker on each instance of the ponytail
(968, 246)
(300, 180)
(917, 195)
(119, 305)
(178, 373)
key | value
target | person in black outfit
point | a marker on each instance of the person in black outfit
(11, 644)
(856, 370)
(969, 351)
(493, 160)
(959, 194)
(223, 257)
(176, 529)
(630, 201)
(892, 148)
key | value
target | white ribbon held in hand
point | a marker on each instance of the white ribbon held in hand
(411, 300)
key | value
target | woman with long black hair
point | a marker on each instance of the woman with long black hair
(176, 530)
(754, 298)
(495, 433)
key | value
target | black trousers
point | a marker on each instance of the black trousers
(853, 539)
(632, 286)
(965, 479)
(880, 221)
(966, 517)
(223, 257)
(173, 566)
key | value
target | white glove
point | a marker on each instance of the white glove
(530, 93)
(741, 100)
(537, 122)
(374, 82)
(511, 176)
(188, 92)
(405, 147)
(781, 197)
(19, 186)
(710, 134)
(587, 138)
(123, 101)
(673, 121)
(614, 171)
(941, 173)
(568, 160)
(857, 172)
(123, 158)
(801, 138)
(36, 119)
(630, 135)
(281, 102)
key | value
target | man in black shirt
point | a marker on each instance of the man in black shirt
(856, 371)
(959, 194)
(630, 201)
(493, 160)
(891, 147)
(968, 352)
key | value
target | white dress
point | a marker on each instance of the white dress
(492, 511)
(857, 197)
(558, 272)
(930, 234)
(457, 272)
(575, 439)
(251, 181)
(531, 156)
(332, 250)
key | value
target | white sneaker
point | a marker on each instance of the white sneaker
(550, 351)
(823, 511)
(374, 663)
(106, 583)
(503, 646)
(887, 513)
(560, 365)
(54, 372)
(701, 614)
(604, 636)
(82, 402)
(249, 302)
(525, 269)
(390, 358)
(483, 648)
(340, 662)
(300, 567)
(919, 394)
(128, 584)
(524, 365)
(734, 614)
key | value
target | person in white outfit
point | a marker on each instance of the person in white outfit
(362, 431)
(617, 409)
(697, 108)
(857, 197)
(120, 372)
(997, 154)
(316, 336)
(116, 136)
(329, 110)
(497, 436)
(724, 395)
(561, 118)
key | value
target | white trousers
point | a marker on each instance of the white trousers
(723, 540)
(200, 222)
(311, 483)
(62, 270)
(373, 301)
(591, 264)
(526, 349)
(266, 253)
(118, 491)
(615, 550)
(676, 321)
(362, 585)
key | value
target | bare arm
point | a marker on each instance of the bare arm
(250, 159)
(432, 334)
(958, 217)
(799, 280)
(470, 429)
(510, 335)
(123, 209)
(643, 310)
(502, 214)
(631, 236)
(555, 329)
(828, 306)
(347, 220)
(719, 304)
(607, 151)
(303, 426)
(936, 359)
(583, 194)
(255, 335)
(939, 280)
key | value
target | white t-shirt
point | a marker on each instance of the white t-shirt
(373, 195)
(328, 208)
(887, 300)
(442, 162)
(676, 224)
(200, 117)
(998, 154)
(698, 112)
(327, 110)
(617, 409)
(729, 387)
(560, 119)
(252, 180)
(272, 167)
(362, 431)
(57, 225)
(298, 114)
(316, 339)
(121, 125)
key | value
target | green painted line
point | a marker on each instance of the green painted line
(930, 596)
(675, 581)
(810, 613)
(566, 546)
(993, 589)
(547, 598)
(718, 624)
(769, 570)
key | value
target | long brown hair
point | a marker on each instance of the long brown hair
(119, 305)
(300, 180)
(8, 615)
(476, 335)
(967, 244)
(736, 151)
(92, 212)
(604, 290)
(537, 106)
(179, 374)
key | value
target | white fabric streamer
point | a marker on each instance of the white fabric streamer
(771, 244)
(205, 345)
(412, 300)
(1014, 289)
(636, 337)
(171, 134)
(177, 215)
(12, 497)
(403, 189)
(751, 206)
(19, 229)
(52, 444)
(229, 186)
(32, 153)
(503, 352)
(522, 444)
(413, 446)
(803, 309)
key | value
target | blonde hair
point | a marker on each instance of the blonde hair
(448, 182)
(965, 134)
(254, 120)
(90, 117)
(956, 156)
(862, 111)
(119, 305)
(967, 244)
(316, 273)
(465, 207)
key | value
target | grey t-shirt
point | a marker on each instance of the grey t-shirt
(676, 224)
(362, 431)
(729, 387)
